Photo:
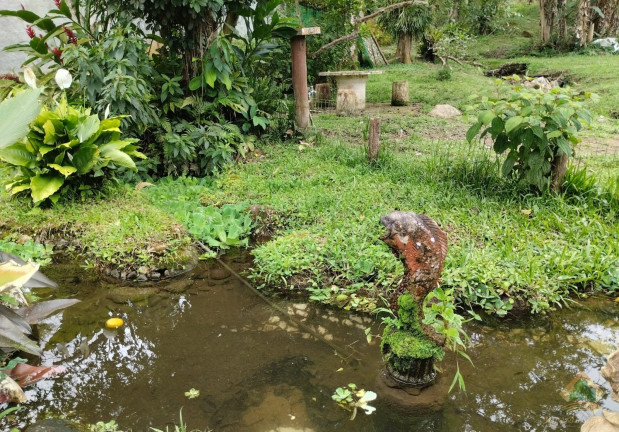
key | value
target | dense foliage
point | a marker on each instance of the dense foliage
(535, 127)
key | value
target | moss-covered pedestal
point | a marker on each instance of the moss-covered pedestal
(409, 382)
(409, 354)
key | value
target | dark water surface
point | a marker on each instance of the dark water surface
(258, 371)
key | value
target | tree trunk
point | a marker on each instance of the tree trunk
(557, 172)
(399, 93)
(609, 25)
(546, 13)
(403, 51)
(583, 21)
(374, 139)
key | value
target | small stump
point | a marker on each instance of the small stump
(399, 93)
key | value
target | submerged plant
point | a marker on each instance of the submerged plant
(351, 399)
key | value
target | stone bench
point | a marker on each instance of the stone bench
(351, 83)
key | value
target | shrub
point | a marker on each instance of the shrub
(67, 150)
(537, 129)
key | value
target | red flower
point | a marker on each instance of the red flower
(10, 77)
(58, 53)
(30, 31)
(57, 3)
(70, 35)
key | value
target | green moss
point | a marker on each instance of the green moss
(407, 312)
(403, 347)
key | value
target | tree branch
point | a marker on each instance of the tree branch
(390, 8)
(331, 44)
(357, 21)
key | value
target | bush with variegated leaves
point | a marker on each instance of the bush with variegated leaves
(67, 150)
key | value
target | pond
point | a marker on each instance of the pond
(258, 371)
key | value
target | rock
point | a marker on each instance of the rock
(611, 373)
(124, 295)
(115, 274)
(611, 417)
(219, 273)
(610, 43)
(142, 278)
(132, 275)
(155, 276)
(598, 424)
(444, 111)
(51, 425)
(179, 286)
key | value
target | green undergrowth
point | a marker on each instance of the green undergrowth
(218, 227)
(507, 246)
(121, 230)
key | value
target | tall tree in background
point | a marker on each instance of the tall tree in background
(406, 24)
(187, 26)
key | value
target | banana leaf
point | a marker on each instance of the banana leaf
(38, 279)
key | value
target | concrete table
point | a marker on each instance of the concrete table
(352, 80)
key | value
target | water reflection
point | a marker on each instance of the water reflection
(260, 370)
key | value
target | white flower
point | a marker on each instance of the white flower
(63, 79)
(107, 111)
(30, 77)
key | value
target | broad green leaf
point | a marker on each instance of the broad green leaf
(85, 159)
(195, 83)
(501, 143)
(110, 125)
(50, 132)
(43, 149)
(118, 157)
(12, 336)
(64, 170)
(497, 127)
(16, 114)
(508, 165)
(18, 154)
(17, 189)
(210, 75)
(512, 123)
(564, 146)
(86, 128)
(486, 117)
(44, 185)
(472, 132)
(554, 134)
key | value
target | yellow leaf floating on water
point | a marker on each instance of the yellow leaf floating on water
(114, 323)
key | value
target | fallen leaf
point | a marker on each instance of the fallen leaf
(525, 212)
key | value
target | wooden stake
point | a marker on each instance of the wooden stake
(374, 139)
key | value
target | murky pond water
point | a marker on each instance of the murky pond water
(259, 371)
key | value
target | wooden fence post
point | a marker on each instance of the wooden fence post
(399, 93)
(374, 139)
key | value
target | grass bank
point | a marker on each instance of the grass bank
(122, 231)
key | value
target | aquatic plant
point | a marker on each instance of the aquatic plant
(351, 399)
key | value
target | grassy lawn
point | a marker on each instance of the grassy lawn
(509, 248)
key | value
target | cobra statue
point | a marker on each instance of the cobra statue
(421, 245)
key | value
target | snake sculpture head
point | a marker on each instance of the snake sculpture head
(421, 245)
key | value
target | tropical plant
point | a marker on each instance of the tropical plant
(537, 129)
(351, 399)
(67, 150)
(406, 24)
(116, 75)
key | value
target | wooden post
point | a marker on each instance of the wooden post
(374, 139)
(399, 93)
(298, 48)
(323, 95)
